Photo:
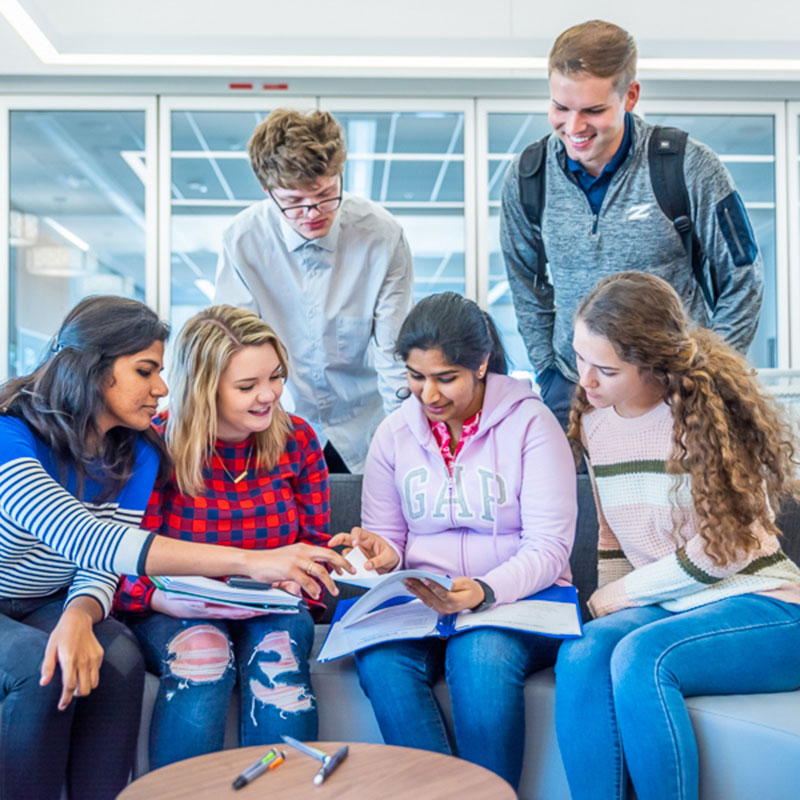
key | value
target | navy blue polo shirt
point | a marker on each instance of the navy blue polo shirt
(595, 188)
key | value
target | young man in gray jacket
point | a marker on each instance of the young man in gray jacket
(601, 215)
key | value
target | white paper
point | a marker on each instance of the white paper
(412, 620)
(218, 591)
(536, 616)
(232, 603)
(390, 585)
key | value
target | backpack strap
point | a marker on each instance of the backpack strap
(532, 196)
(665, 155)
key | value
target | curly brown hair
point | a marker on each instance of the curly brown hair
(728, 434)
(293, 150)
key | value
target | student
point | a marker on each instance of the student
(77, 466)
(330, 271)
(601, 214)
(470, 477)
(689, 459)
(246, 475)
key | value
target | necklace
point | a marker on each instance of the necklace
(242, 475)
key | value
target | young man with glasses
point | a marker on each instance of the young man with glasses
(330, 272)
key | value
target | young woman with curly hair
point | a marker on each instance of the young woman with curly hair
(689, 460)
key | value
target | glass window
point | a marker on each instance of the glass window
(746, 145)
(211, 183)
(508, 135)
(77, 218)
(412, 163)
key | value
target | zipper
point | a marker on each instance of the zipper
(735, 235)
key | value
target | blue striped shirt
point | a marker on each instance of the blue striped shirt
(50, 539)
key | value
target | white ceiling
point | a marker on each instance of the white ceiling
(455, 38)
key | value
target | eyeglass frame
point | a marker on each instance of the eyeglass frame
(309, 206)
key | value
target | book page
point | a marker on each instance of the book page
(547, 617)
(390, 585)
(412, 620)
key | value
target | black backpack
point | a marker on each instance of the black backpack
(665, 155)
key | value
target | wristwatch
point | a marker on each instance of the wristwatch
(488, 596)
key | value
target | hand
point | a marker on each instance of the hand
(382, 556)
(465, 593)
(191, 608)
(607, 599)
(288, 586)
(74, 647)
(304, 564)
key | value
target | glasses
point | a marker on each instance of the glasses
(295, 212)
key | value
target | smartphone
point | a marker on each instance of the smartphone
(242, 582)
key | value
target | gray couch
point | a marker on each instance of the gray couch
(749, 744)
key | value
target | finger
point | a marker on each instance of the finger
(321, 574)
(307, 583)
(84, 680)
(384, 559)
(69, 682)
(325, 556)
(48, 666)
(341, 538)
(437, 589)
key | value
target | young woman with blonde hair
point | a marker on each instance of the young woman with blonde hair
(689, 461)
(247, 475)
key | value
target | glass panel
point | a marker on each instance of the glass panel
(77, 220)
(211, 183)
(413, 163)
(749, 138)
(508, 135)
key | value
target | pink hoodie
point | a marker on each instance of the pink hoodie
(506, 516)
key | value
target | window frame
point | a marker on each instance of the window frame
(89, 103)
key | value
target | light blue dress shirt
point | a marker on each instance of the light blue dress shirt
(336, 303)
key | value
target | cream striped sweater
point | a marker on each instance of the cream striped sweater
(649, 548)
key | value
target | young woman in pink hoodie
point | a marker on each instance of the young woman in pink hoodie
(470, 477)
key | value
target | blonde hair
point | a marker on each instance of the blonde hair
(202, 353)
(293, 150)
(728, 435)
(596, 48)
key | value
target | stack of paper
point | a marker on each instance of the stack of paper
(214, 591)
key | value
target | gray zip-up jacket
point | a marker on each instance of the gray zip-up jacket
(629, 232)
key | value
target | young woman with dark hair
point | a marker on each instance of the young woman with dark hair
(689, 461)
(77, 467)
(471, 477)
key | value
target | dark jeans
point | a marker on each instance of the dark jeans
(334, 461)
(91, 743)
(557, 393)
(198, 661)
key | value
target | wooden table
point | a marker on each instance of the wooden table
(370, 771)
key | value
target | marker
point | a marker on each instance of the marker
(330, 764)
(268, 761)
(305, 748)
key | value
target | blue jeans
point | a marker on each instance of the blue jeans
(557, 393)
(485, 670)
(91, 744)
(620, 689)
(198, 661)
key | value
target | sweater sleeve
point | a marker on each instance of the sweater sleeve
(678, 574)
(533, 299)
(381, 504)
(548, 510)
(734, 261)
(36, 503)
(135, 592)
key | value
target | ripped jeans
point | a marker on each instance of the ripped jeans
(198, 661)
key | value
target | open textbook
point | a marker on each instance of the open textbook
(215, 591)
(389, 612)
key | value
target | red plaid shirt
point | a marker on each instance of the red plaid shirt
(266, 509)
